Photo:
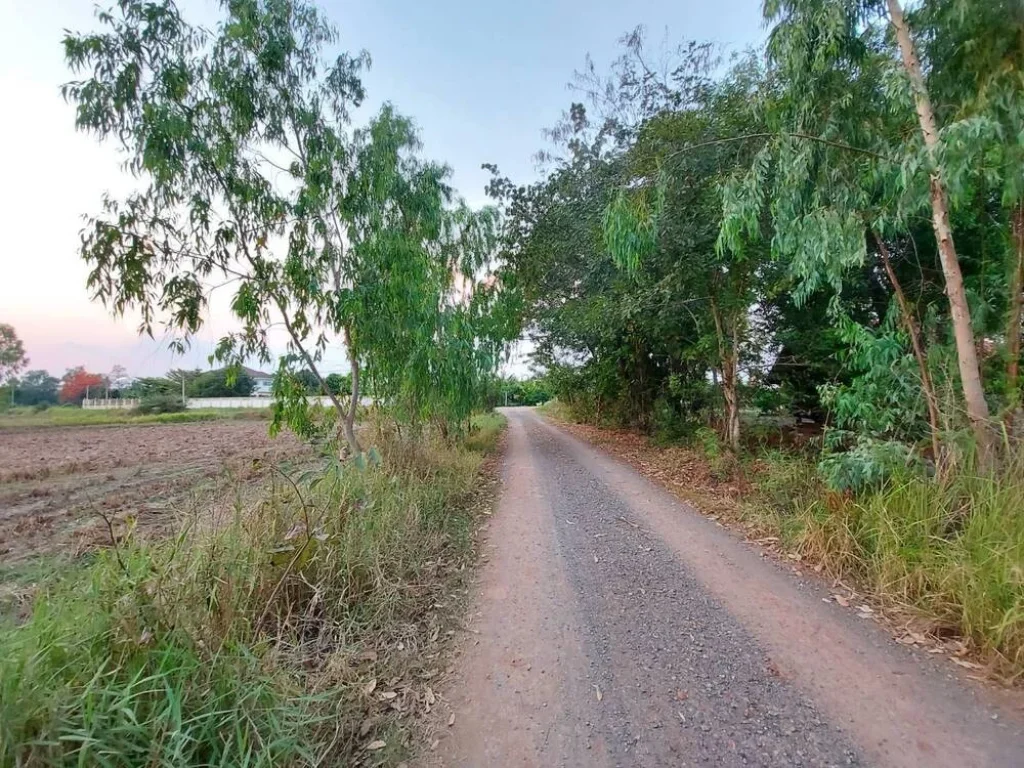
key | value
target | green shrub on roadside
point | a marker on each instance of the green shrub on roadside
(868, 464)
(949, 548)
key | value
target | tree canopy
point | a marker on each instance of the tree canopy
(251, 173)
(12, 353)
(833, 229)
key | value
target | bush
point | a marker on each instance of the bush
(868, 465)
(216, 384)
(160, 404)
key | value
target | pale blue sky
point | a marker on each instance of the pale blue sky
(481, 79)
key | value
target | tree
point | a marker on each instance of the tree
(78, 383)
(976, 93)
(222, 383)
(36, 387)
(151, 386)
(179, 375)
(882, 114)
(672, 202)
(12, 353)
(310, 382)
(970, 371)
(337, 236)
(118, 379)
(338, 384)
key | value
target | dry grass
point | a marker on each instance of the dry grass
(299, 633)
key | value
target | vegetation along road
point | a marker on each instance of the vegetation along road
(616, 626)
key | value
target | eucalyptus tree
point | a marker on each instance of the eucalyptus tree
(846, 98)
(825, 172)
(976, 73)
(249, 173)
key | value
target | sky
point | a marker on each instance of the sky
(481, 79)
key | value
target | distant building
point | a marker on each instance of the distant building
(262, 383)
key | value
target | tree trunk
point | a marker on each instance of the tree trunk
(967, 355)
(732, 404)
(730, 369)
(350, 435)
(1016, 301)
(349, 422)
(910, 324)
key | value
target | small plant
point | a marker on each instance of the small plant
(709, 441)
(868, 465)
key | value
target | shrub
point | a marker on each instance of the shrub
(950, 547)
(160, 404)
(868, 464)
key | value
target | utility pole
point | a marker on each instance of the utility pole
(184, 402)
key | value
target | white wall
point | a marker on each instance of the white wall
(101, 403)
(212, 402)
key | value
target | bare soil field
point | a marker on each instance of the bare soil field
(59, 487)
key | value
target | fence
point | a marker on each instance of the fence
(109, 403)
(207, 402)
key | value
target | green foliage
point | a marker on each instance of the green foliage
(512, 391)
(338, 384)
(222, 383)
(867, 465)
(360, 241)
(631, 227)
(36, 388)
(149, 386)
(734, 234)
(883, 399)
(12, 353)
(160, 403)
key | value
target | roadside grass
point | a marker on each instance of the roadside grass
(60, 416)
(303, 631)
(942, 556)
(948, 551)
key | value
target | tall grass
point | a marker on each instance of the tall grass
(250, 642)
(950, 549)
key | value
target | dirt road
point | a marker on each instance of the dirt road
(614, 626)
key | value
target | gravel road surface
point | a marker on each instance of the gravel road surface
(615, 626)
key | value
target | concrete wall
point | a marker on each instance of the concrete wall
(228, 402)
(107, 404)
(206, 402)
